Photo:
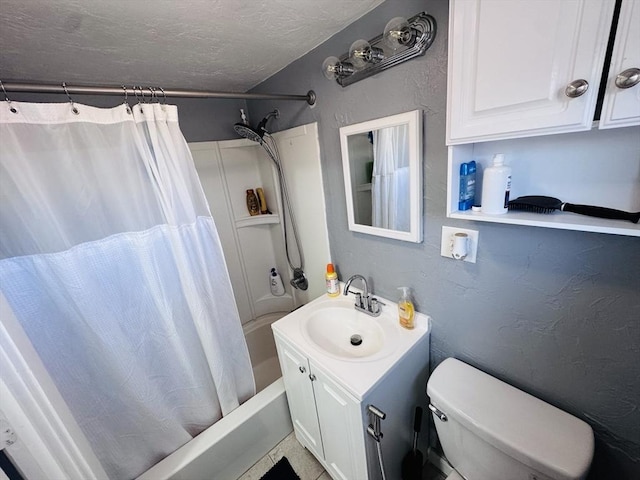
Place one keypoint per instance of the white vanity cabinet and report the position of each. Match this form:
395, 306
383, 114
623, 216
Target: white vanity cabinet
330, 387
318, 404
517, 67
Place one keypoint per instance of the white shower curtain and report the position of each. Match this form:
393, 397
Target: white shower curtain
390, 180
110, 260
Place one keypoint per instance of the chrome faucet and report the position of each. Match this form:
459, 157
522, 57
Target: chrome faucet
364, 301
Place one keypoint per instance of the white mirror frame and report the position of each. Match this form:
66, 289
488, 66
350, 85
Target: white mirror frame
414, 120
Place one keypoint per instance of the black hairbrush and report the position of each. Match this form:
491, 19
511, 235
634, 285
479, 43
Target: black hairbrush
541, 204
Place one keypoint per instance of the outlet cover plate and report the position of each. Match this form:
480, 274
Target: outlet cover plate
445, 243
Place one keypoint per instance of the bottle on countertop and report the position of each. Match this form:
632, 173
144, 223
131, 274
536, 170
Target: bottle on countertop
331, 279
496, 186
275, 282
406, 310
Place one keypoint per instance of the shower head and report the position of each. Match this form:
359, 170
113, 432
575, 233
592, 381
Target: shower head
246, 131
255, 134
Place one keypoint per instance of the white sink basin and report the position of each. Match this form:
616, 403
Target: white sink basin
321, 331
348, 334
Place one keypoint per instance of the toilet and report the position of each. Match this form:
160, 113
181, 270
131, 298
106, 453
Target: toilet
490, 430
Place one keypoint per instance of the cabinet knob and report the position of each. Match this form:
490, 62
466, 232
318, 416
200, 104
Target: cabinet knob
302, 369
576, 88
629, 78
312, 377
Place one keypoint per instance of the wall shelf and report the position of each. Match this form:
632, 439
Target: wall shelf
597, 167
561, 220
252, 221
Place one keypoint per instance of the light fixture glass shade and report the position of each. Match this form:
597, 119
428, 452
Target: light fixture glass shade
333, 68
330, 67
359, 53
397, 32
362, 54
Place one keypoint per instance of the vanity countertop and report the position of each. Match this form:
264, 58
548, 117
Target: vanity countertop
357, 374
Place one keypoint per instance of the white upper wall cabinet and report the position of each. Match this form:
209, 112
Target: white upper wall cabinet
511, 63
621, 106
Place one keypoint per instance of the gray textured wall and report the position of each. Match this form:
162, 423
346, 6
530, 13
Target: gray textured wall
553, 312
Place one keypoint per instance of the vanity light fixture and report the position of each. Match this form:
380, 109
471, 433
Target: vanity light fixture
402, 40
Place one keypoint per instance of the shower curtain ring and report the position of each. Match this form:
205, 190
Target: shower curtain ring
73, 106
12, 109
164, 97
126, 96
135, 92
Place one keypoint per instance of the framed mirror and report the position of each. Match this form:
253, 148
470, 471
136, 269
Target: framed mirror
382, 163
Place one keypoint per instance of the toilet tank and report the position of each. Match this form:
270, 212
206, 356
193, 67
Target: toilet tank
494, 431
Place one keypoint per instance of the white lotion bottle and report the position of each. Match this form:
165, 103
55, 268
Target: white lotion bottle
275, 282
496, 186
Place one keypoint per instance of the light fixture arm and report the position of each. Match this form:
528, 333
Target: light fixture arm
415, 42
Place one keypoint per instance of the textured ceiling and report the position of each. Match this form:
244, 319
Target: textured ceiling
229, 45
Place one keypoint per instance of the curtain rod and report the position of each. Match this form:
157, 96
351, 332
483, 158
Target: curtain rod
310, 97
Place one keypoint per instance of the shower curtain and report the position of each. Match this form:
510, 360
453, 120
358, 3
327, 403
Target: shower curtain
110, 261
390, 179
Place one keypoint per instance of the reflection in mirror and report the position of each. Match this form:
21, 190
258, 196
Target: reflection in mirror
383, 176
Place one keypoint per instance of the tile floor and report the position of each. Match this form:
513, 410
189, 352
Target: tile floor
305, 464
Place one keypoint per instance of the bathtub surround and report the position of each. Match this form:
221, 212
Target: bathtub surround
554, 313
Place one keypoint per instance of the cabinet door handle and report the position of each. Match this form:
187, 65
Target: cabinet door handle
576, 88
629, 78
302, 369
312, 377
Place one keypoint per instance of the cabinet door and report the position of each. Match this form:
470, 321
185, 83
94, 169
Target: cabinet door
295, 372
621, 106
510, 62
342, 430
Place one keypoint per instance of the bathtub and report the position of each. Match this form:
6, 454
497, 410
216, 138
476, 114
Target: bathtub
231, 446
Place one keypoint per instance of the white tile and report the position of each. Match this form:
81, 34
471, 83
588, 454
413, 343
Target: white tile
258, 470
302, 461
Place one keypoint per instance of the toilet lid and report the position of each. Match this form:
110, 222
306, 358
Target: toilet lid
522, 426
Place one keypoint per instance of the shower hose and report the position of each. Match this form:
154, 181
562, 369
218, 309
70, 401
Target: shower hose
380, 459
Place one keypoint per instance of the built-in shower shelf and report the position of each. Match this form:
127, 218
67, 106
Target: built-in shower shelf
265, 219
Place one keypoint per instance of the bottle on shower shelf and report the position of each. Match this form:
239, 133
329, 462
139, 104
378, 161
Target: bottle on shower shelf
262, 200
252, 203
275, 282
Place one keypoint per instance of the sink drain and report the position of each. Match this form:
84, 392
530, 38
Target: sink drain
356, 340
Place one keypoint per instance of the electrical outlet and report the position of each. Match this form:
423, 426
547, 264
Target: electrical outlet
446, 244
